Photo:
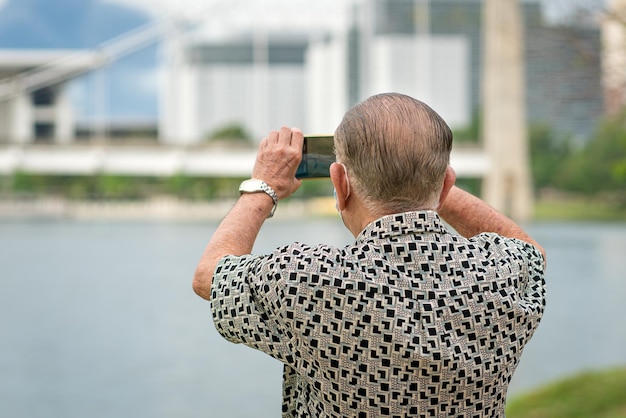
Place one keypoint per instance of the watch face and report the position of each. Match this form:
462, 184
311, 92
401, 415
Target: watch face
250, 186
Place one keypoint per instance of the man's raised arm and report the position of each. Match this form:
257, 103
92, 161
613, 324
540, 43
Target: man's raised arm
276, 164
471, 216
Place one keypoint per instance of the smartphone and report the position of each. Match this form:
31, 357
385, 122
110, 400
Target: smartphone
318, 153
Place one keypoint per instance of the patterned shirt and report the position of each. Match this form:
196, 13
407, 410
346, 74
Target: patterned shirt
410, 320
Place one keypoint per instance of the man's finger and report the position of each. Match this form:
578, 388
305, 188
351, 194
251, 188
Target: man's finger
284, 136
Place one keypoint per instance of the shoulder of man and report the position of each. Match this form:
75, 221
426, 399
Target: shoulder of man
502, 246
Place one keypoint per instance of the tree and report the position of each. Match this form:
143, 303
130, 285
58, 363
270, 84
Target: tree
548, 152
233, 132
599, 168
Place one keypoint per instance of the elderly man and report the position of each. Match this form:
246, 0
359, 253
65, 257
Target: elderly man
409, 320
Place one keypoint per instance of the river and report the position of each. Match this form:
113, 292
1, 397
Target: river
98, 319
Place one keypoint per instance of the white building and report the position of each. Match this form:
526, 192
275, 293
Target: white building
262, 81
257, 82
434, 69
34, 101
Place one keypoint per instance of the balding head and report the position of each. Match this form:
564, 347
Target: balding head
396, 150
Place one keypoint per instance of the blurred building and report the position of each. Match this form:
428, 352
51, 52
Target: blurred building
433, 50
563, 75
392, 46
428, 49
256, 81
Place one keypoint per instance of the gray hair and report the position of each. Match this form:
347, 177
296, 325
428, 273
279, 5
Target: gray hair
396, 150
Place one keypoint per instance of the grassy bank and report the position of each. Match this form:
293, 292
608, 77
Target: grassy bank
599, 394
578, 209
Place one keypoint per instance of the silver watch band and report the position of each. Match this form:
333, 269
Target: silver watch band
255, 185
267, 189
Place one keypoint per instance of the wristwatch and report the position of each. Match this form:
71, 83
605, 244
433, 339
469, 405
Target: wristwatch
256, 186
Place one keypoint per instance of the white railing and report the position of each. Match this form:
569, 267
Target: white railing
167, 161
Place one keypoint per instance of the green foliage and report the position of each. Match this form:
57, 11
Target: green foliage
471, 133
200, 188
599, 168
578, 208
109, 187
471, 185
593, 394
548, 151
120, 188
233, 133
315, 188
30, 184
100, 187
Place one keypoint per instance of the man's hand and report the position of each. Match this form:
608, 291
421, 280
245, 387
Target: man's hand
278, 158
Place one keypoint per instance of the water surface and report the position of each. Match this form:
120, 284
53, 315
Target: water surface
98, 319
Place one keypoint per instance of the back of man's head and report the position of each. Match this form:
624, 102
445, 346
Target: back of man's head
396, 150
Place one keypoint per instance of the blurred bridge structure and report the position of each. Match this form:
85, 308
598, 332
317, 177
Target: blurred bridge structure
163, 161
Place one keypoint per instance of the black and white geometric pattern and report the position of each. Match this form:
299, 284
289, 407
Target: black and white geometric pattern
409, 321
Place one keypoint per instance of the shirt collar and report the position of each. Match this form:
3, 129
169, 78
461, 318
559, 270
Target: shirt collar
397, 224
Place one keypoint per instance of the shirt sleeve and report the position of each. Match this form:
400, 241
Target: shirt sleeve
532, 284
524, 265
248, 305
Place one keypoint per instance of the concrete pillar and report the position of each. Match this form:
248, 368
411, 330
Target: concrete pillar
63, 116
326, 95
614, 56
178, 102
507, 187
21, 118
15, 118
5, 120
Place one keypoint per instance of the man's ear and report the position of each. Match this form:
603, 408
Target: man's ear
448, 182
340, 182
